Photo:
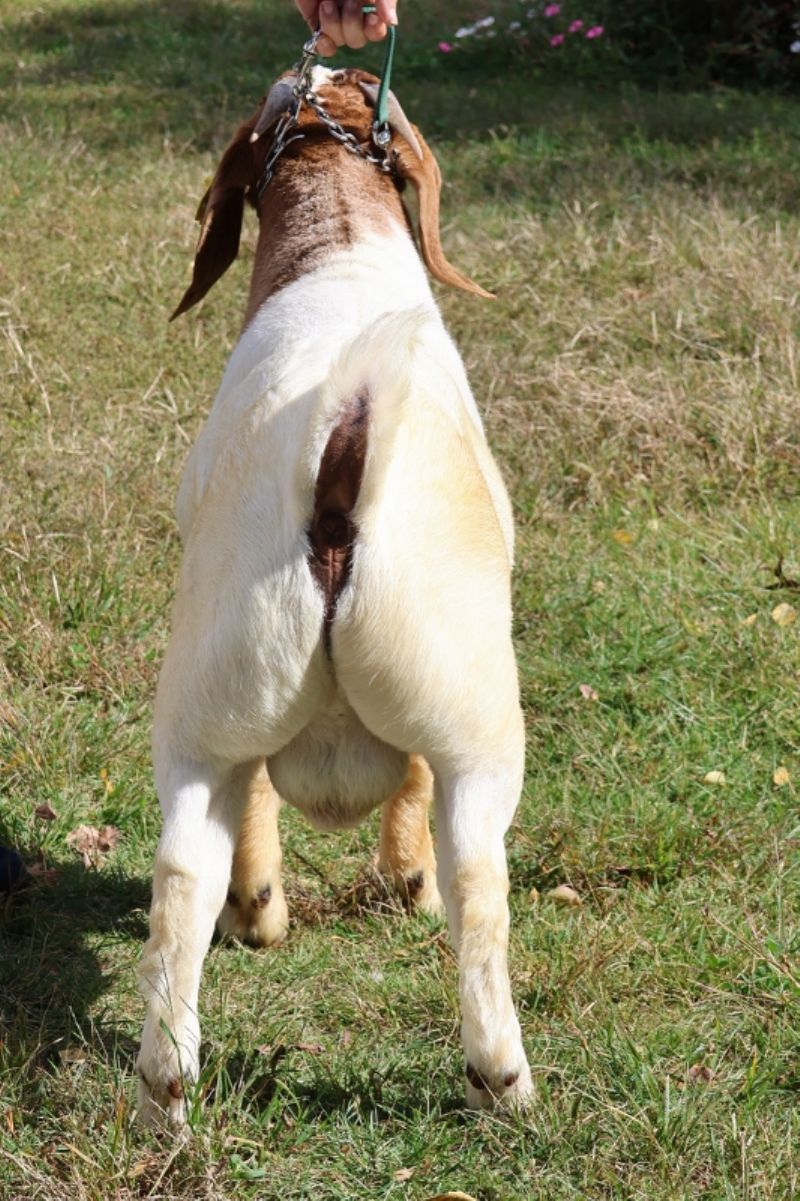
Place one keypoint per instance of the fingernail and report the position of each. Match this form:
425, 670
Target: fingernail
391, 16
372, 20
328, 8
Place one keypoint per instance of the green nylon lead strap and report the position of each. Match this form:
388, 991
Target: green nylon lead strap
382, 101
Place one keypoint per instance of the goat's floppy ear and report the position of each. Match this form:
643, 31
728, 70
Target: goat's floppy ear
220, 215
426, 177
415, 162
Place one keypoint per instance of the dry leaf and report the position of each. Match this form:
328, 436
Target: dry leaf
45, 874
623, 537
91, 843
451, 1197
714, 777
72, 1055
45, 812
533, 895
780, 777
588, 693
564, 895
751, 620
346, 1038
599, 586
783, 614
699, 1074
309, 1048
403, 1174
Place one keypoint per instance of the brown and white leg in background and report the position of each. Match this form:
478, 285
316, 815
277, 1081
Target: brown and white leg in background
406, 853
201, 805
473, 811
255, 909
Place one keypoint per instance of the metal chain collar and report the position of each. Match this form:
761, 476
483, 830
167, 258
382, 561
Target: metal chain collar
303, 94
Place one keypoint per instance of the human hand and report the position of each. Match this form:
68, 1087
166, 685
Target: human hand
343, 23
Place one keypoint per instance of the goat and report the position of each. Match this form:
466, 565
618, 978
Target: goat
341, 630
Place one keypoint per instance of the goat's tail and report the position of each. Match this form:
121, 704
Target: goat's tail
362, 404
377, 365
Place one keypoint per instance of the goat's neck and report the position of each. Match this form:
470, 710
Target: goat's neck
321, 202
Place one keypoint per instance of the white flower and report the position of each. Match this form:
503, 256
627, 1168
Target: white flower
794, 48
484, 23
466, 31
514, 26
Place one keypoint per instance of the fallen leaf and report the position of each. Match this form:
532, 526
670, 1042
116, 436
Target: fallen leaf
310, 1048
783, 614
533, 895
714, 777
403, 1174
346, 1038
599, 586
699, 1074
780, 777
564, 895
45, 812
451, 1197
72, 1055
45, 874
623, 537
751, 620
588, 693
91, 842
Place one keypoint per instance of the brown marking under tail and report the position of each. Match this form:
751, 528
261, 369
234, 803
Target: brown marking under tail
332, 531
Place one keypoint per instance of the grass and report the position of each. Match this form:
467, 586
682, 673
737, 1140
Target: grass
639, 384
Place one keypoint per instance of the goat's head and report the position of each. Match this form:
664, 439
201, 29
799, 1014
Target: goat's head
349, 97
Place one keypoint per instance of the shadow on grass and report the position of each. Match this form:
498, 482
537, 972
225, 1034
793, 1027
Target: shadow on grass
347, 1087
51, 975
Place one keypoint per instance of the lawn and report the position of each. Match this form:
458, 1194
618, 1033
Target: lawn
638, 378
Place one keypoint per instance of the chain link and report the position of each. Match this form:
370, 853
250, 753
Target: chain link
302, 94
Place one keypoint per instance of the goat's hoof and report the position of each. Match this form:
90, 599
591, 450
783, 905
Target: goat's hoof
423, 895
511, 1090
162, 1107
417, 890
259, 919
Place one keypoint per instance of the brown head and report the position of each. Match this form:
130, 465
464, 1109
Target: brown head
315, 163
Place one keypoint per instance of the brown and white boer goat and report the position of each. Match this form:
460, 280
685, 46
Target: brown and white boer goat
341, 631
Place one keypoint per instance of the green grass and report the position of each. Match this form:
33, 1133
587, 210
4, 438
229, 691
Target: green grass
639, 382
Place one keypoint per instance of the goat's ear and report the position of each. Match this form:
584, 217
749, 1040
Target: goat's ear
426, 177
220, 215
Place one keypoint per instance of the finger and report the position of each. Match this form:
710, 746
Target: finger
374, 28
386, 11
353, 24
308, 11
325, 47
330, 22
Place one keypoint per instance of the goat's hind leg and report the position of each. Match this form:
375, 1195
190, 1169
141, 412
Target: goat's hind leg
472, 814
406, 854
201, 805
255, 909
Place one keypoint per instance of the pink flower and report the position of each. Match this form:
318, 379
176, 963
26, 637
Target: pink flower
445, 47
556, 39
552, 10
575, 26
595, 32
